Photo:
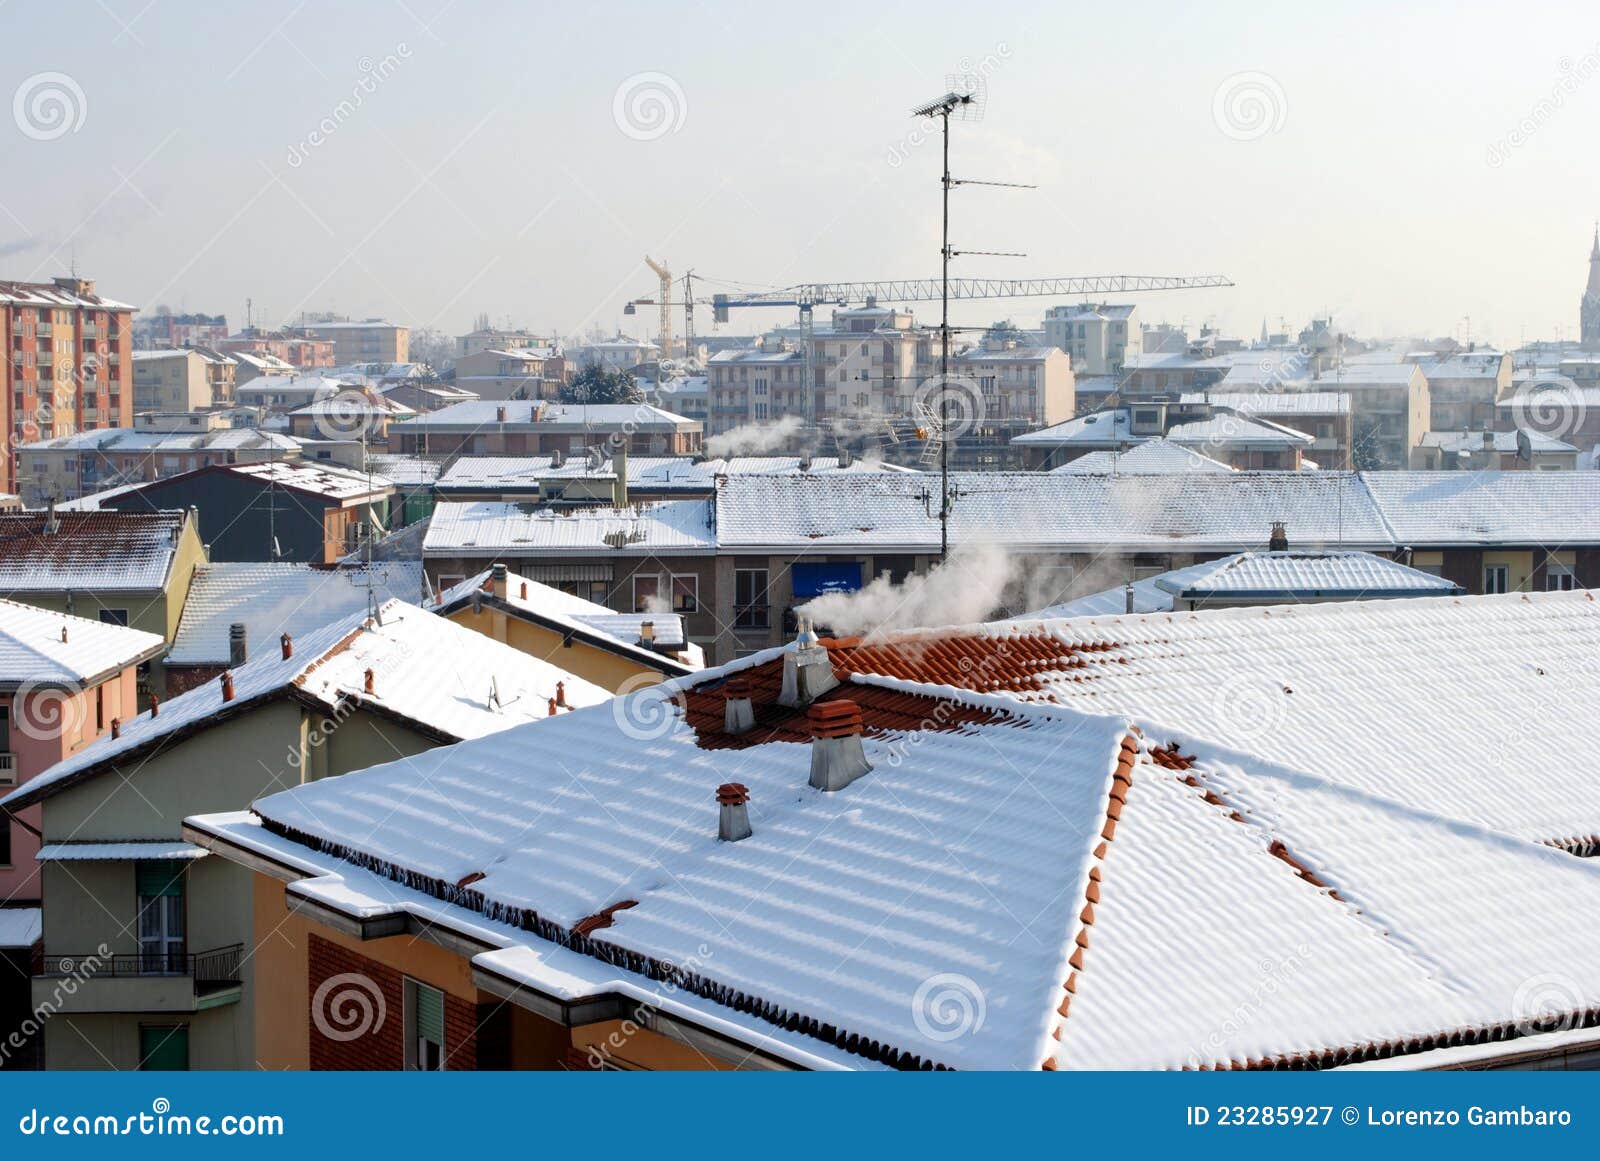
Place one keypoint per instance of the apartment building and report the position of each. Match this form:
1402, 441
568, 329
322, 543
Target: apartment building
1464, 387
524, 427
301, 351
370, 341
529, 372
621, 353
497, 339
72, 467
1099, 338
182, 379
1323, 415
157, 331
67, 365
739, 566
1390, 411
1494, 451
177, 988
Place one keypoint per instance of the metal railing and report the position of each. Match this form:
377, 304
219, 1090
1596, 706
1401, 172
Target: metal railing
220, 965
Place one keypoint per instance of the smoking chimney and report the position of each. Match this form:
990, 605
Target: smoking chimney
733, 819
619, 482
739, 712
238, 644
837, 758
52, 525
647, 634
497, 581
1278, 541
807, 672
845, 458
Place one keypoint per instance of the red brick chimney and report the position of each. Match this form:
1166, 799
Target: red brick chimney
227, 687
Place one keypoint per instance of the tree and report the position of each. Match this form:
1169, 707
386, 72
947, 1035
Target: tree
594, 384
433, 348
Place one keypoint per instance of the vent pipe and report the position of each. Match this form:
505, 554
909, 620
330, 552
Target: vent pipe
238, 644
561, 694
155, 706
558, 458
1127, 596
837, 758
733, 817
116, 727
807, 672
497, 581
369, 681
739, 712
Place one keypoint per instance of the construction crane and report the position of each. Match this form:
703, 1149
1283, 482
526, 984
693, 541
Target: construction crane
665, 303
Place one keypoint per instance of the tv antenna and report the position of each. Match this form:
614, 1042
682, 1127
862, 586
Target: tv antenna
964, 100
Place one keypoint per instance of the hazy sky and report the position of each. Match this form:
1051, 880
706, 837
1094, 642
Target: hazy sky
1403, 166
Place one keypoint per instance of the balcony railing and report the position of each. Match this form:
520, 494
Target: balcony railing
219, 966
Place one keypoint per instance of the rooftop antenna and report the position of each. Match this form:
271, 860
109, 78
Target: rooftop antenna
964, 99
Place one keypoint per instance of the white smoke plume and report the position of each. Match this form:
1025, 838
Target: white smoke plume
755, 439
969, 586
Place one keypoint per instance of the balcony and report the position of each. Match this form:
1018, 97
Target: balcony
141, 982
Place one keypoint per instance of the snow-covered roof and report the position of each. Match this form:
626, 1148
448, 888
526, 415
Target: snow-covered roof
404, 471
51, 294
1235, 430
1278, 403
43, 648
645, 473
1355, 376
1261, 577
110, 852
427, 672
88, 551
278, 597
619, 632
1466, 365
20, 926
1458, 508
1165, 841
311, 386
496, 527
1500, 441
476, 414
1152, 458
123, 441
317, 480
1102, 428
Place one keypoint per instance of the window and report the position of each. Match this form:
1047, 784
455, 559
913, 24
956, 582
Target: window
646, 589
1558, 578
685, 594
1496, 578
5, 840
424, 1028
161, 939
750, 606
114, 617
163, 1048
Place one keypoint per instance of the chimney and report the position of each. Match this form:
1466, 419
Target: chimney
369, 681
500, 414
805, 461
845, 458
739, 712
807, 672
63, 634
733, 819
552, 704
1127, 597
116, 727
619, 465
155, 706
1488, 441
837, 758
286, 643
238, 644
497, 581
1278, 540
51, 524
561, 694
558, 458
523, 590
227, 687
647, 634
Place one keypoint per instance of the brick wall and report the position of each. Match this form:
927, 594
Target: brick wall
355, 1031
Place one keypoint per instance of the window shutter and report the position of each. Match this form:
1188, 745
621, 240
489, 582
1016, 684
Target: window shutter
157, 879
430, 1014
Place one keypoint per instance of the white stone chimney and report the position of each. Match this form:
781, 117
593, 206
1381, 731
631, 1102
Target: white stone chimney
739, 713
733, 819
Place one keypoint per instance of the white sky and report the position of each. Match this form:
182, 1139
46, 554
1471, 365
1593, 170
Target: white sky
487, 172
